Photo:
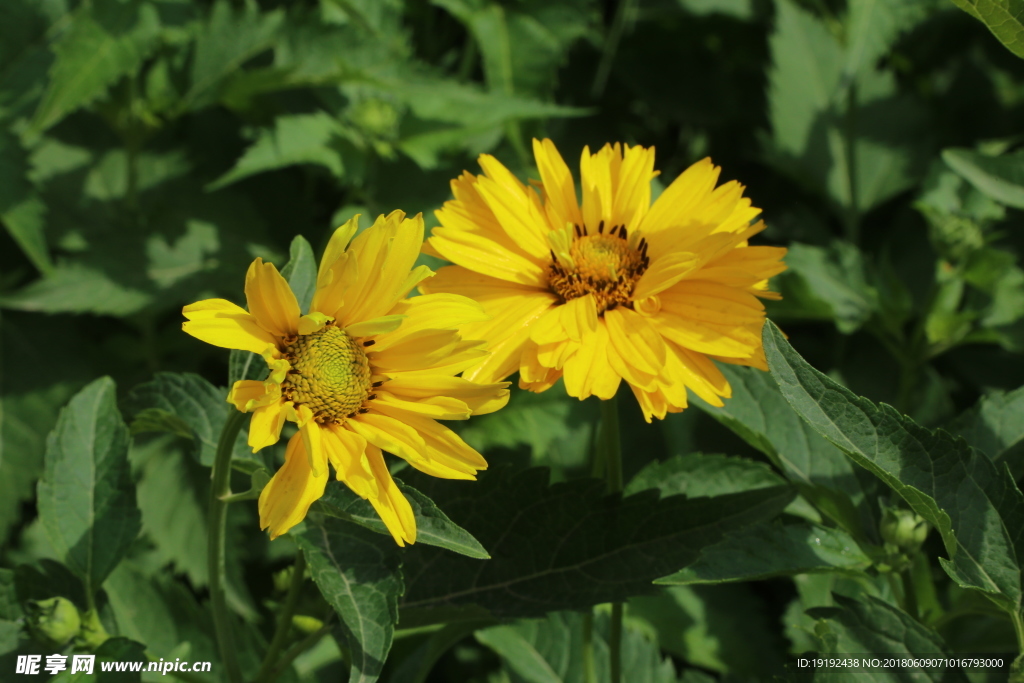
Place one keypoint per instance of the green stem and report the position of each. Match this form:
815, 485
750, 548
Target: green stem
850, 138
623, 14
613, 478
909, 594
297, 649
221, 488
589, 674
1017, 669
284, 619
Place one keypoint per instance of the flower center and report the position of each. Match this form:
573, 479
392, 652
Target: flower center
330, 373
604, 265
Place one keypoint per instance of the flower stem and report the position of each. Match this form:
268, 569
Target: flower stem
297, 649
221, 488
284, 620
613, 479
589, 674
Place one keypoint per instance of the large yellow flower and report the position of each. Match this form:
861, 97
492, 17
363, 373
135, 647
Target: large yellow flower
613, 289
365, 370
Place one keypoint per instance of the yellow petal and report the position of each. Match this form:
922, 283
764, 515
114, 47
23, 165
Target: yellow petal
285, 501
481, 398
384, 254
271, 300
559, 189
265, 426
369, 328
249, 394
313, 322
345, 450
436, 407
635, 340
665, 271
335, 274
449, 456
676, 204
223, 324
389, 434
515, 207
390, 503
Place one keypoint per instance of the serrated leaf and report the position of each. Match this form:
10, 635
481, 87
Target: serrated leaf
827, 283
77, 288
140, 610
762, 551
294, 139
974, 505
870, 626
227, 40
180, 403
550, 650
856, 159
566, 546
107, 40
86, 496
357, 572
245, 365
760, 415
873, 25
21, 210
1003, 19
522, 46
999, 177
699, 474
994, 425
555, 426
432, 526
300, 271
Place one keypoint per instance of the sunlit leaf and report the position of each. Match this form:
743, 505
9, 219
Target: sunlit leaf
86, 496
974, 505
357, 573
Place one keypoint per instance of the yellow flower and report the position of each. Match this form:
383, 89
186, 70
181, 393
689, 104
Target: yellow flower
615, 288
365, 370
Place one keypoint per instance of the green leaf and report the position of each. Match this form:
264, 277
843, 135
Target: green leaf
975, 505
181, 403
869, 625
432, 526
873, 25
140, 610
119, 650
522, 46
295, 139
829, 284
21, 210
300, 271
762, 551
847, 135
697, 474
555, 426
77, 288
107, 40
357, 572
245, 365
994, 426
566, 546
999, 177
86, 495
226, 41
172, 494
759, 414
549, 650
1003, 19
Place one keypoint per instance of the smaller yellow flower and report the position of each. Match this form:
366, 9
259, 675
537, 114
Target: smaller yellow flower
366, 370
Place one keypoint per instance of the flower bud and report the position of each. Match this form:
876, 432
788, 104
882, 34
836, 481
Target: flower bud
54, 621
903, 528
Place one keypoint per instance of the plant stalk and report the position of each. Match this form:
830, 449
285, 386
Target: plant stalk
284, 619
613, 479
221, 488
